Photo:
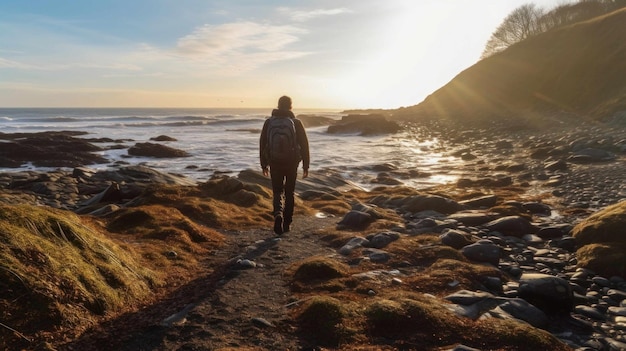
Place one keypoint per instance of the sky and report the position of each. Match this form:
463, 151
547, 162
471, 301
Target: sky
329, 54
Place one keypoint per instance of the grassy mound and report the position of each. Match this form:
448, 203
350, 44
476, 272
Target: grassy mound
439, 277
318, 273
602, 241
57, 270
606, 259
604, 226
320, 320
220, 203
409, 321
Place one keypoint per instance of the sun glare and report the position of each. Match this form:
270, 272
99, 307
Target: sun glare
397, 66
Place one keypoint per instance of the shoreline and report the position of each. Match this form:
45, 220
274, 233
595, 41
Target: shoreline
388, 227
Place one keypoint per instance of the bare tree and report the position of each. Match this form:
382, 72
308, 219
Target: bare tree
520, 24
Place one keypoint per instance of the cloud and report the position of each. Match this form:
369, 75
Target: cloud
303, 16
6, 63
240, 45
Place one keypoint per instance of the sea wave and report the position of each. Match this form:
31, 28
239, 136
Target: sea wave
6, 118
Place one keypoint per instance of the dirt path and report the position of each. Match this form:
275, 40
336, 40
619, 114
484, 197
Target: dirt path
233, 306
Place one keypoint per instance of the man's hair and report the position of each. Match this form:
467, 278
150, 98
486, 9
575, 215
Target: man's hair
284, 103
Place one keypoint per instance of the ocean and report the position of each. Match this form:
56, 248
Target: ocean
225, 141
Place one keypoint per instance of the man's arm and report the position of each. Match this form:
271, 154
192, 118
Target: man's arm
303, 141
262, 149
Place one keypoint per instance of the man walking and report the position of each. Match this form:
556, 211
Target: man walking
283, 145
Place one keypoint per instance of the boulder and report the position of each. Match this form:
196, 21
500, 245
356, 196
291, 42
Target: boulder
355, 220
156, 150
163, 138
554, 231
589, 155
606, 259
523, 310
483, 251
606, 225
381, 240
473, 218
48, 149
548, 293
352, 245
455, 238
437, 203
512, 225
371, 124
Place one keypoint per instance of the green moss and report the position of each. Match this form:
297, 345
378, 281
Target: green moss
606, 225
319, 268
321, 321
606, 259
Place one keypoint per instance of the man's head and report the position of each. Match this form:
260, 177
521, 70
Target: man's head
284, 103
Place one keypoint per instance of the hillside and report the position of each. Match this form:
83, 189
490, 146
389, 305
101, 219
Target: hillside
579, 70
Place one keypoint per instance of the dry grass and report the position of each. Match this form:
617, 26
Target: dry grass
60, 271
408, 320
438, 278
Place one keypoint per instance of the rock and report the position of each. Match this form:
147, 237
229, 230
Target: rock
473, 218
163, 138
590, 312
351, 245
430, 225
602, 245
437, 203
455, 238
559, 165
103, 211
383, 239
537, 208
616, 295
483, 251
355, 220
467, 298
617, 311
83, 172
589, 155
511, 225
554, 231
522, 310
364, 125
315, 121
480, 202
262, 322
369, 209
604, 226
376, 255
549, 293
48, 149
246, 264
156, 150
138, 175
112, 193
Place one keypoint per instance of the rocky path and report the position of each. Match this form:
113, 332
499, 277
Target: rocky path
245, 303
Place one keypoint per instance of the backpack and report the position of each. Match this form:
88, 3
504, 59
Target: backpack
282, 144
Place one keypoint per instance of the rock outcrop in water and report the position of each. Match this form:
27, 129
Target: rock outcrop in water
48, 149
364, 125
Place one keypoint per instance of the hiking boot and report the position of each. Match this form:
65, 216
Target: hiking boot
286, 226
278, 224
